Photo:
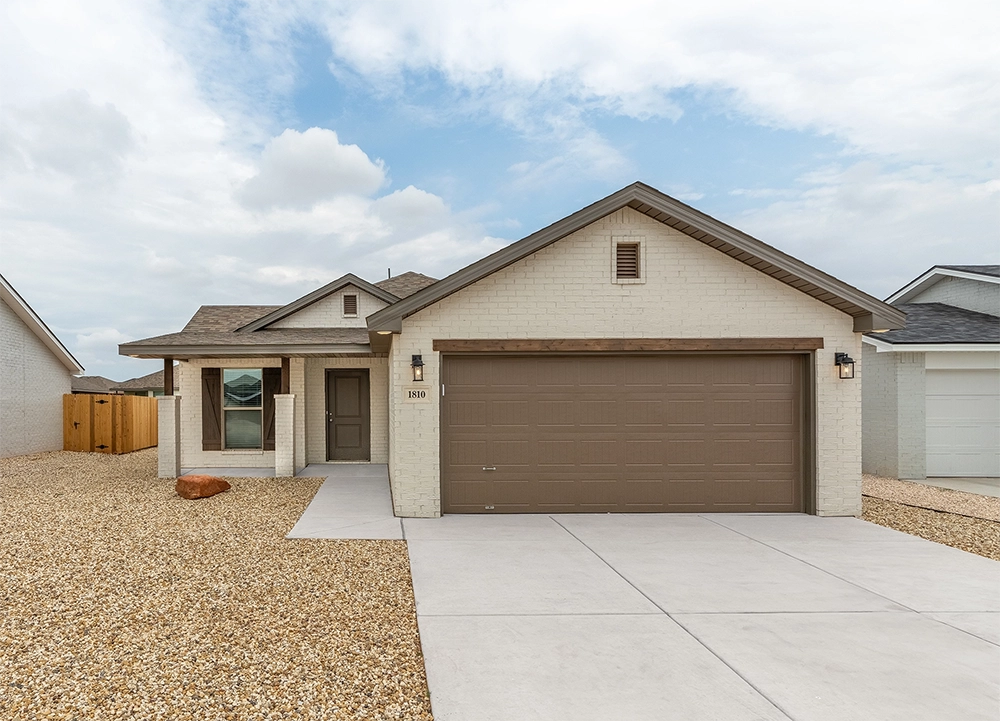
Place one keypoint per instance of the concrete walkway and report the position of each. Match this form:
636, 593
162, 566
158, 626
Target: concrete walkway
687, 617
982, 486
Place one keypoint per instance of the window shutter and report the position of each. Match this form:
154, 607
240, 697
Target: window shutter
627, 260
272, 385
211, 409
350, 305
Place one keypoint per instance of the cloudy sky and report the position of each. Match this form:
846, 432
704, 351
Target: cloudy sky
159, 156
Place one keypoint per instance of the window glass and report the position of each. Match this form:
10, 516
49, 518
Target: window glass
242, 388
243, 429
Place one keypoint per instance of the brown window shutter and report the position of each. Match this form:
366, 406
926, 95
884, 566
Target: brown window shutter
350, 305
272, 385
211, 409
627, 260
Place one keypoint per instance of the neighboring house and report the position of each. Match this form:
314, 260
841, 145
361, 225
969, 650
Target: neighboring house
92, 384
35, 371
637, 355
932, 390
147, 385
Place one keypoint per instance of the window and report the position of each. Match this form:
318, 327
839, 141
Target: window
242, 407
350, 305
627, 260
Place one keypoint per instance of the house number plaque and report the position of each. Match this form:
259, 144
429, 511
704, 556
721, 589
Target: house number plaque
416, 395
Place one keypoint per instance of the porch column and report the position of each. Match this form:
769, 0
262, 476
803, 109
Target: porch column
284, 434
168, 450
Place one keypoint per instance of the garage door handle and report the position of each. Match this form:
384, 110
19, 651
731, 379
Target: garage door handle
489, 468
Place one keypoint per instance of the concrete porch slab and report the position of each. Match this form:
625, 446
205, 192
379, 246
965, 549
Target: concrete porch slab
982, 486
231, 472
354, 502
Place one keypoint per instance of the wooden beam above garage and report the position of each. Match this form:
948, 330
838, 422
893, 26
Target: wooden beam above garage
623, 345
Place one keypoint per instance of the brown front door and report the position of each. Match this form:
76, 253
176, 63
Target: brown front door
348, 409
682, 433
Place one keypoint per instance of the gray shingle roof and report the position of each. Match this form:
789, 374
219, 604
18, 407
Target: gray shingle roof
993, 270
91, 384
940, 323
406, 283
151, 382
226, 317
268, 336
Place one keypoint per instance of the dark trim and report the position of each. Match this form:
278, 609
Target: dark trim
270, 384
243, 351
679, 216
168, 376
318, 294
624, 345
286, 375
810, 439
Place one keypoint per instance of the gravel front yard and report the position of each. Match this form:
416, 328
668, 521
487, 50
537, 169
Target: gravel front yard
119, 600
963, 520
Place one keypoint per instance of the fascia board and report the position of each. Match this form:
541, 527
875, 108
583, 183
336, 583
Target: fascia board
201, 351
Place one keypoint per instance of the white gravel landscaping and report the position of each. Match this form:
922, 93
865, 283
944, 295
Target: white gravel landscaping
122, 601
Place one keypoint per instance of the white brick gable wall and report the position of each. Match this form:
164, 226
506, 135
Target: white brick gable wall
977, 295
565, 290
329, 312
32, 384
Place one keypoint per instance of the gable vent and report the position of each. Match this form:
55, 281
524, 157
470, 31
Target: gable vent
627, 260
350, 305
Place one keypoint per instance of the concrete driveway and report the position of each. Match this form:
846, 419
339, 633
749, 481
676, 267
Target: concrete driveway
634, 617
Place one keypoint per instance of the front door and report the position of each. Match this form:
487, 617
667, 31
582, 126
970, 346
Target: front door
348, 428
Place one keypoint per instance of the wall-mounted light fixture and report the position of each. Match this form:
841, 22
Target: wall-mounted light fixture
845, 364
418, 368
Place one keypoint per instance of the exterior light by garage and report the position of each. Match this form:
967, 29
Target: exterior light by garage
845, 364
384, 332
418, 368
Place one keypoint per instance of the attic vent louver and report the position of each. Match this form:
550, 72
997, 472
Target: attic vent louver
627, 260
350, 305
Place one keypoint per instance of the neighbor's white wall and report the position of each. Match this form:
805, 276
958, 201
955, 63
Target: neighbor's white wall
977, 295
879, 414
315, 395
188, 374
32, 384
566, 291
329, 312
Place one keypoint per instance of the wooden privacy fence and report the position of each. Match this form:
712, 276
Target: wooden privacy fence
108, 423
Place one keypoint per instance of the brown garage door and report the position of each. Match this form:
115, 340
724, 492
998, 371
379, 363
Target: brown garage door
682, 433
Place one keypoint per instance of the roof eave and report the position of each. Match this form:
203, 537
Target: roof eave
242, 351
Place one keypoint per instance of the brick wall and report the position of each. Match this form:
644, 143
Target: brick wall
975, 295
329, 312
911, 400
32, 384
879, 414
566, 290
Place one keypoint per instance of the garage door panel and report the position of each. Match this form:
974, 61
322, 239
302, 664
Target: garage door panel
963, 422
626, 434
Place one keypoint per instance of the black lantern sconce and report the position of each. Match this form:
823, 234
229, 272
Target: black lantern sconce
845, 364
418, 368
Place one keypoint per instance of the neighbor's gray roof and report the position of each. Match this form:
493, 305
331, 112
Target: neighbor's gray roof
91, 384
868, 312
993, 270
151, 382
940, 323
406, 283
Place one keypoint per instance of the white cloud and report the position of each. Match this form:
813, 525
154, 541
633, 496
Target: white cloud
298, 170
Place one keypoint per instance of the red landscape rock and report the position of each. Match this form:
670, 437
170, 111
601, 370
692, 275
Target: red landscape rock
199, 486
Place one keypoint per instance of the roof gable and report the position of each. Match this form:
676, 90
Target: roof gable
980, 273
406, 284
320, 293
868, 312
37, 326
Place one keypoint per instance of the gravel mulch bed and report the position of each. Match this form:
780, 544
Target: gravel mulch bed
119, 600
974, 535
938, 499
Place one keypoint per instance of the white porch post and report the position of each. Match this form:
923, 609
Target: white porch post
168, 451
284, 434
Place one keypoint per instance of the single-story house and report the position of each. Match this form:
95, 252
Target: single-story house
147, 385
932, 390
93, 385
637, 355
36, 371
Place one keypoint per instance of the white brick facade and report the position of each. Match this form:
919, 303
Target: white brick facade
977, 295
894, 414
329, 312
32, 384
566, 290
